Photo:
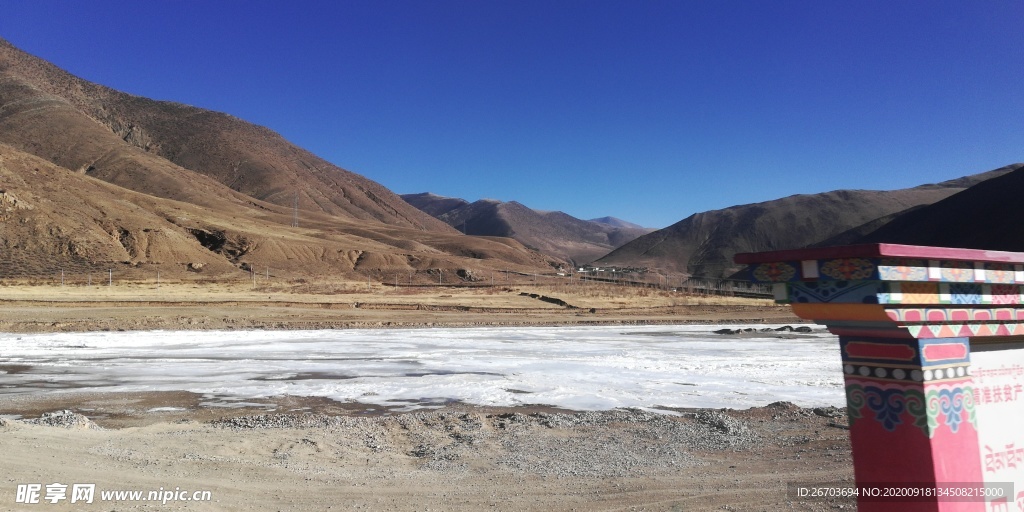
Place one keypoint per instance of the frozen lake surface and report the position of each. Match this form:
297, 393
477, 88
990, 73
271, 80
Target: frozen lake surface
583, 368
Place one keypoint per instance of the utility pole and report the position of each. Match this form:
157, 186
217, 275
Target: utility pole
295, 210
110, 277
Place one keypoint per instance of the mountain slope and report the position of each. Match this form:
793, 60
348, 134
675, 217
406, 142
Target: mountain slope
139, 183
130, 140
551, 232
53, 219
985, 216
704, 243
433, 204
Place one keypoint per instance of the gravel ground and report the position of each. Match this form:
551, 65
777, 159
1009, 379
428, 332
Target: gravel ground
589, 444
455, 458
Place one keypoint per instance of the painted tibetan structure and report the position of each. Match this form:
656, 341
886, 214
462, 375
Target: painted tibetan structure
908, 319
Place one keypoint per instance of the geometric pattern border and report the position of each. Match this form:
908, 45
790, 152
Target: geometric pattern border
954, 314
901, 293
955, 330
907, 374
888, 269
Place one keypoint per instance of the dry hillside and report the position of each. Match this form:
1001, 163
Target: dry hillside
129, 140
52, 219
705, 243
94, 178
985, 216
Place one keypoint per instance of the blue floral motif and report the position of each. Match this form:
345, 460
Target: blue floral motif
950, 404
930, 410
888, 405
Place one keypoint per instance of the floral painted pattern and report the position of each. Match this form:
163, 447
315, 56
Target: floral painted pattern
895, 405
949, 406
848, 269
886, 405
957, 271
999, 273
898, 269
774, 272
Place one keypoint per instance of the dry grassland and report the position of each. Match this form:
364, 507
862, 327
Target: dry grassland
344, 304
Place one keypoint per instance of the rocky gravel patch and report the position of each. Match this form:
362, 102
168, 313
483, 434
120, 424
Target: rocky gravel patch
590, 444
65, 419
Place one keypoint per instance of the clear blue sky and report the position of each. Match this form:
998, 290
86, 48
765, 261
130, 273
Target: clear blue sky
645, 110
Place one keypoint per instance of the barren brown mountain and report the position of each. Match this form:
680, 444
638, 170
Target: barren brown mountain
551, 232
96, 177
87, 127
985, 216
704, 243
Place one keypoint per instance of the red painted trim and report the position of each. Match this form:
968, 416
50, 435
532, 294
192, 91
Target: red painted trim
944, 351
880, 251
895, 332
866, 350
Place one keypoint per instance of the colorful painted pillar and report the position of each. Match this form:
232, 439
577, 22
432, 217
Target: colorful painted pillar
932, 343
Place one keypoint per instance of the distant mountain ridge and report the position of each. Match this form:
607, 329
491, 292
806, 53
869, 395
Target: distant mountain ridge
550, 232
704, 243
617, 223
433, 204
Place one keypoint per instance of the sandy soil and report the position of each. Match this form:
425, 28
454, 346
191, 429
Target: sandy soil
314, 455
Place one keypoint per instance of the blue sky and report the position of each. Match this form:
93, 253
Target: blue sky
645, 110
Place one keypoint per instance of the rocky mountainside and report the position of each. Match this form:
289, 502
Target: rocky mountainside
985, 216
551, 232
149, 172
704, 243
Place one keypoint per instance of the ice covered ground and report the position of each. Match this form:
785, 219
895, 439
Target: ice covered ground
584, 368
